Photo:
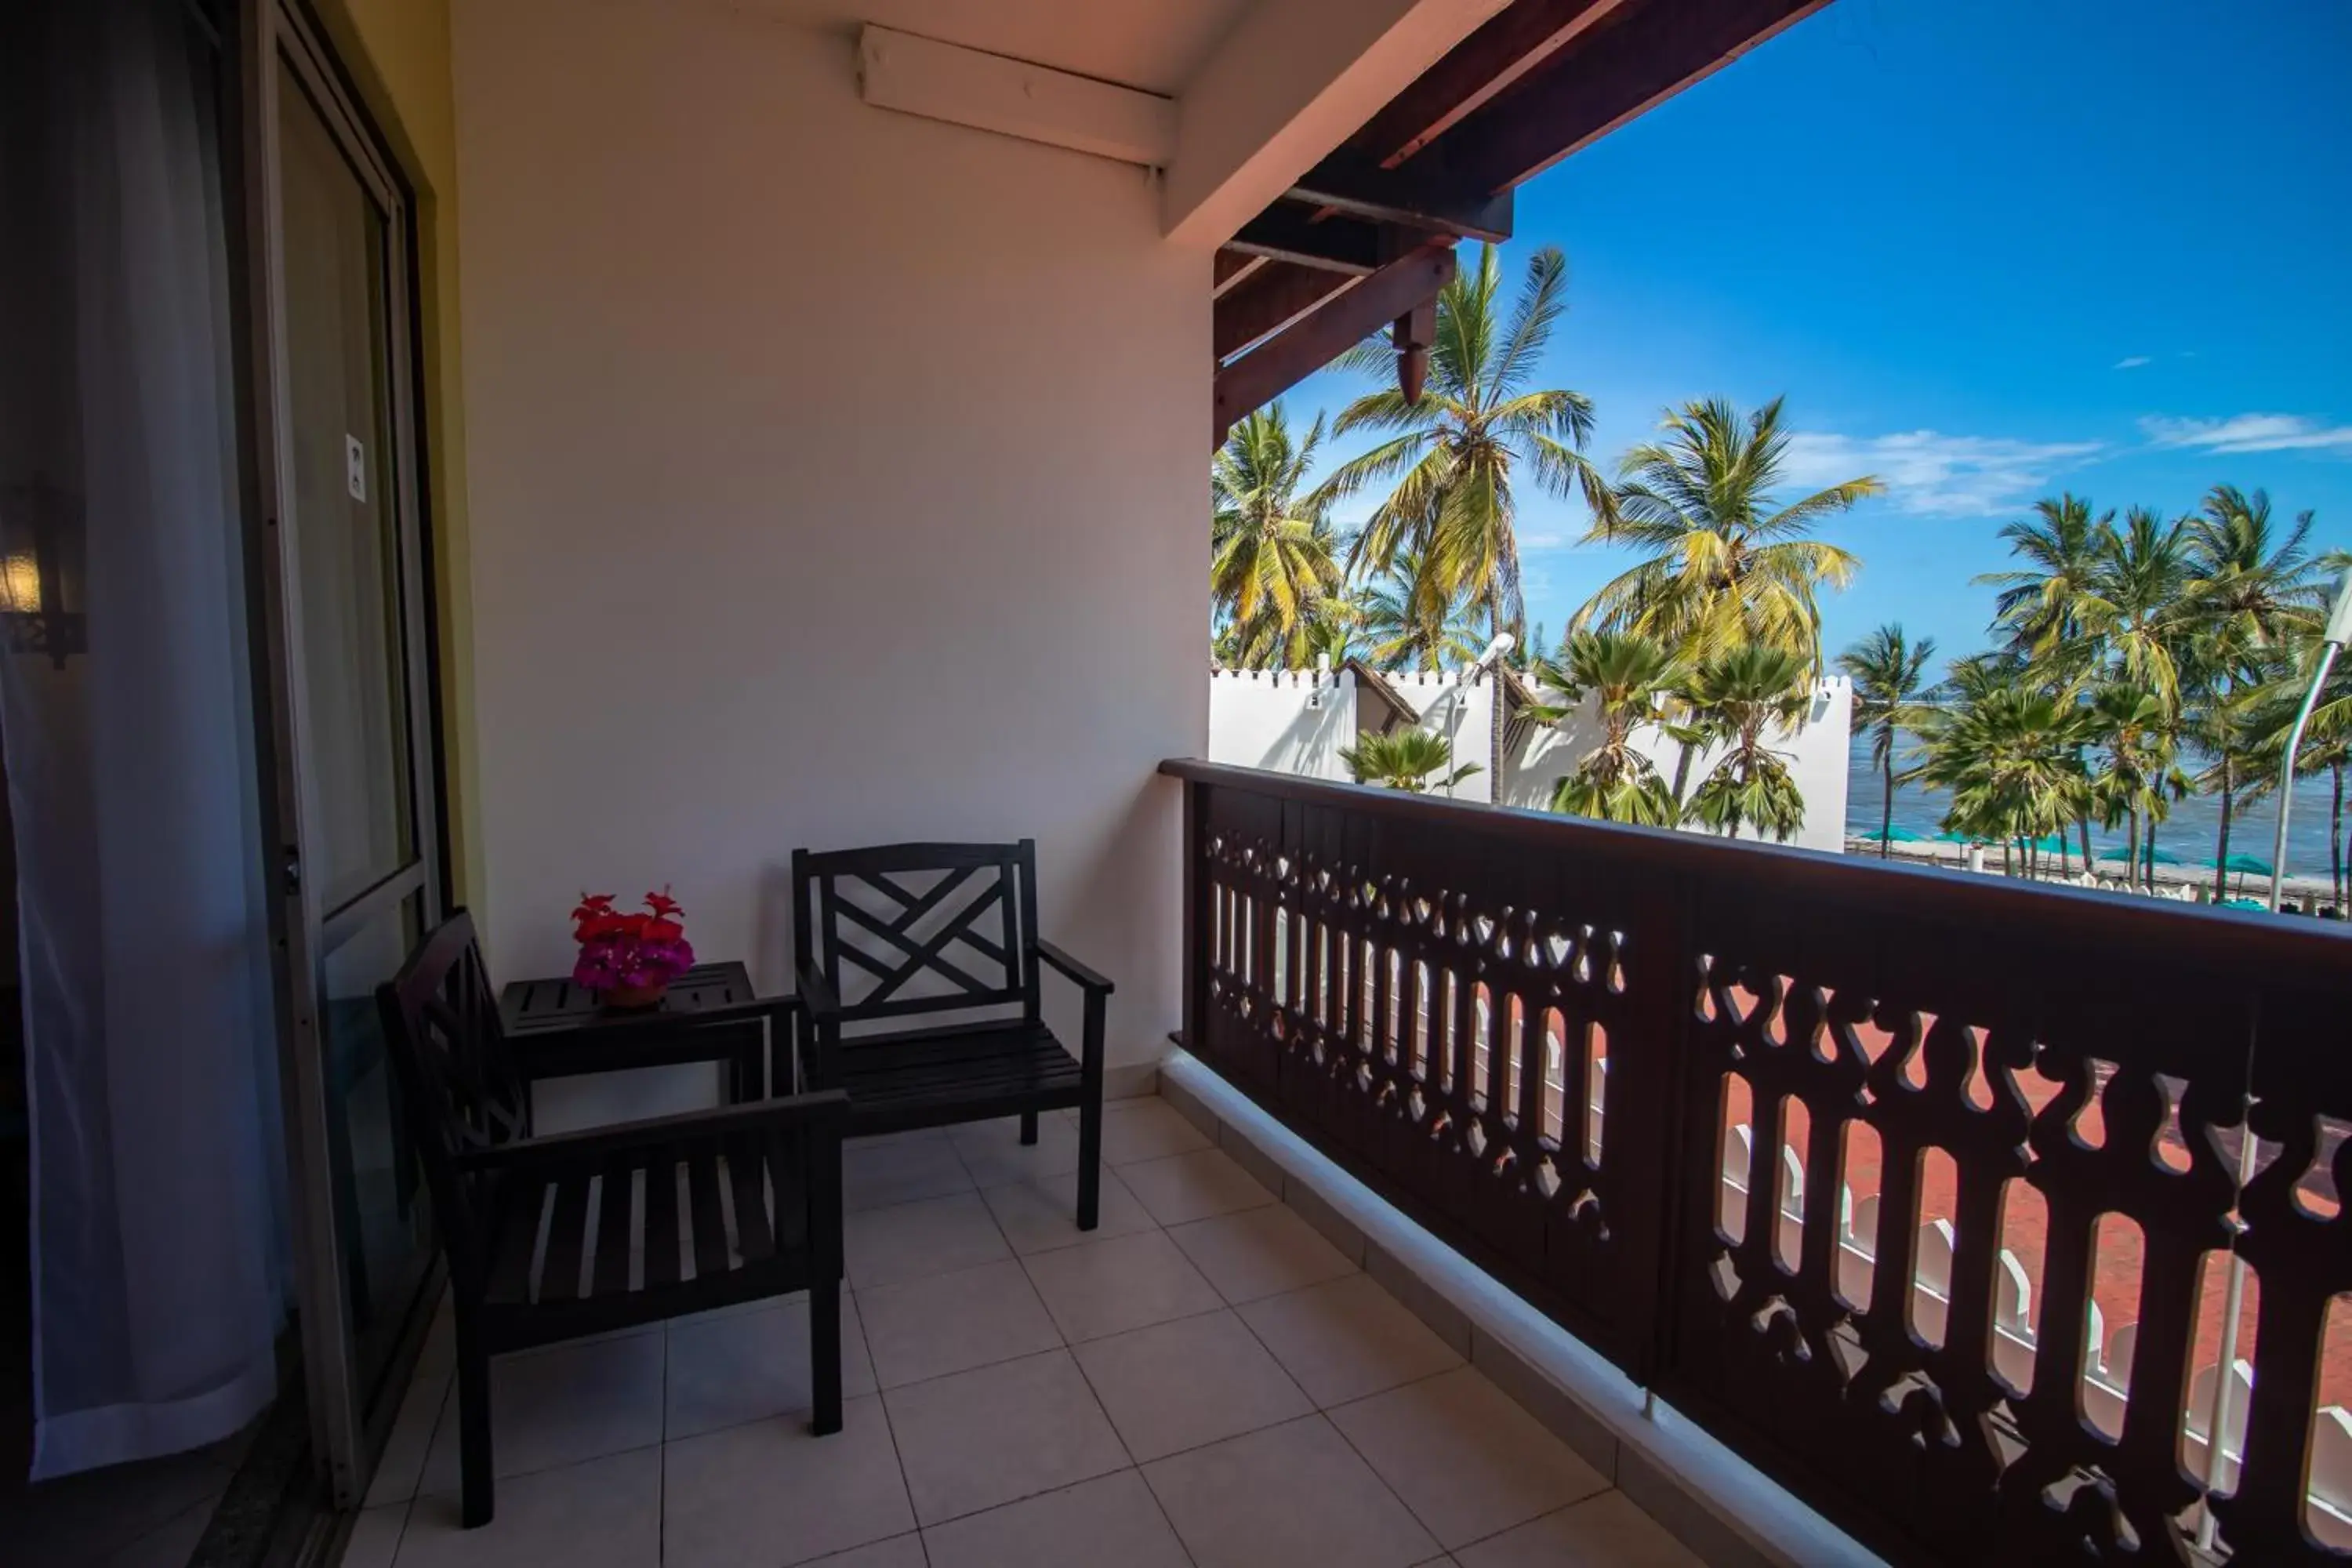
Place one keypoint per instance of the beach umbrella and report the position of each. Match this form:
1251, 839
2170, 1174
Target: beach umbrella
1897, 834
2243, 865
1948, 838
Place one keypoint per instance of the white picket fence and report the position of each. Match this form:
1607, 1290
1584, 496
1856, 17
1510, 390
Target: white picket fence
2105, 1382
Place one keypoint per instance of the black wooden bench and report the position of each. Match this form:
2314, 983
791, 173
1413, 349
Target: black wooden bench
896, 932
580, 1204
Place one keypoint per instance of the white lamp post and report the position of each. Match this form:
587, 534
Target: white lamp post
1503, 642
2332, 641
2233, 1299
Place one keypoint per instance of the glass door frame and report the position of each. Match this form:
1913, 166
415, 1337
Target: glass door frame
347, 1420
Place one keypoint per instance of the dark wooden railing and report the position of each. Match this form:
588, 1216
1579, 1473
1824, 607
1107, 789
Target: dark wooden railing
1644, 1079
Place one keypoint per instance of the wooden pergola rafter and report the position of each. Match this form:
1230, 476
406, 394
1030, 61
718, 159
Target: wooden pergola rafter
1365, 238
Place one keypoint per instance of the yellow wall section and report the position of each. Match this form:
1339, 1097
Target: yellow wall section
397, 52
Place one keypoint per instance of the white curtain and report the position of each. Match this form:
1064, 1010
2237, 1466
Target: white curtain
158, 1228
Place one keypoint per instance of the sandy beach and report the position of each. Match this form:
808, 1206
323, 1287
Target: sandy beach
2199, 878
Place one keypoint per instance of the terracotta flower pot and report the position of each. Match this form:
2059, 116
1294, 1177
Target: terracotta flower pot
633, 997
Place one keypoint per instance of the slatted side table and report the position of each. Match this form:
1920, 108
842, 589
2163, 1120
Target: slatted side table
557, 1028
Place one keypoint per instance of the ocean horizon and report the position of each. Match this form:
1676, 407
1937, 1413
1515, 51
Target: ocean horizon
2190, 832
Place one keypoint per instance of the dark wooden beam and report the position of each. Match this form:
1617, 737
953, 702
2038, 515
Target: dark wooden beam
1230, 268
1288, 232
1276, 295
1511, 42
1314, 341
1643, 58
1423, 195
1413, 334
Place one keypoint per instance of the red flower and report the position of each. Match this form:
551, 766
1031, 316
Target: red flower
618, 949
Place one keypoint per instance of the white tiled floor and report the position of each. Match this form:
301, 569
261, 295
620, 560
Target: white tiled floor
1226, 1392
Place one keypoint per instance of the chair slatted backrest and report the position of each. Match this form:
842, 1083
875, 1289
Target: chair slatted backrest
902, 929
459, 1088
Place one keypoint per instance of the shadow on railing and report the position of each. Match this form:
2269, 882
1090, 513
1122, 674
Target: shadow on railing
2008, 1133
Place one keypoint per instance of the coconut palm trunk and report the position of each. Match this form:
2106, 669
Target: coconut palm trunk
2222, 849
1886, 810
2131, 848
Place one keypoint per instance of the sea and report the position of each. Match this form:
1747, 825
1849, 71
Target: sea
2191, 831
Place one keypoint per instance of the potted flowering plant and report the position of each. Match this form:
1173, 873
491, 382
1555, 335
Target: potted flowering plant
629, 960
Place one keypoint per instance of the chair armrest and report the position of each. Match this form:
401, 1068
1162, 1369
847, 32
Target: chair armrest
816, 998
826, 1109
1053, 957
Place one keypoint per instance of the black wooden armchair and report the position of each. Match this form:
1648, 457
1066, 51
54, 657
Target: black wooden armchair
896, 932
584, 1205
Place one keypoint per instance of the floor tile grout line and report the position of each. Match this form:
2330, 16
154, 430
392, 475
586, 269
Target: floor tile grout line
455, 1489
1374, 1471
1136, 1471
890, 1430
1288, 1375
1549, 1513
661, 1465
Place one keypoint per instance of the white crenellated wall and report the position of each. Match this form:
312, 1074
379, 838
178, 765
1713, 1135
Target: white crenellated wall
1272, 720
1463, 710
1816, 752
1286, 721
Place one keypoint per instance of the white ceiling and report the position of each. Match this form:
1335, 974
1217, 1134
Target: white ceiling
1155, 45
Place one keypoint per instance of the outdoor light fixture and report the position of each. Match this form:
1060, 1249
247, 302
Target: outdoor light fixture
2217, 1428
2331, 642
41, 580
1504, 643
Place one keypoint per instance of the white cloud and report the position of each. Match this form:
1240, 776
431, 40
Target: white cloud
1544, 539
2132, 361
1932, 474
2250, 433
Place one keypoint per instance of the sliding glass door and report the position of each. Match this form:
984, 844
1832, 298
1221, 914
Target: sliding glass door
348, 672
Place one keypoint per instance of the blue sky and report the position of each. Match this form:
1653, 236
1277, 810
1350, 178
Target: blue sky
1988, 252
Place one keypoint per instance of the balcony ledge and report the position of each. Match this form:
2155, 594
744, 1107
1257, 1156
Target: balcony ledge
1721, 1507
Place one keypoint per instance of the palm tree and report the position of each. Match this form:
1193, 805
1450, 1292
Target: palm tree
2248, 587
1455, 457
1625, 673
2137, 778
2011, 756
1405, 628
1405, 760
1337, 628
2136, 603
1742, 692
1270, 544
2224, 720
2328, 741
1885, 668
1723, 562
2042, 604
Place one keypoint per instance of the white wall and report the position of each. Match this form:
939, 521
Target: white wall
836, 477
1463, 710
1291, 722
1261, 720
1816, 752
